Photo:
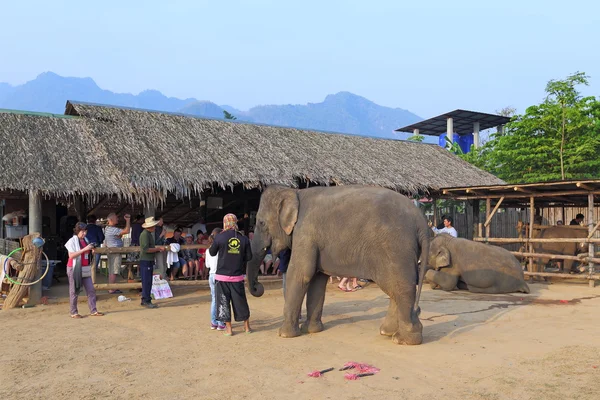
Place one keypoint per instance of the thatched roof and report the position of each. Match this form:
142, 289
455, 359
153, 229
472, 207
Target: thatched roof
138, 153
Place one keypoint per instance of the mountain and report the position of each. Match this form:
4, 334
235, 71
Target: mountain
342, 112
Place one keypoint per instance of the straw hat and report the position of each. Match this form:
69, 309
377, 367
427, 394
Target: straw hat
149, 222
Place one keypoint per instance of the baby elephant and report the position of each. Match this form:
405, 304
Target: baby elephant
478, 267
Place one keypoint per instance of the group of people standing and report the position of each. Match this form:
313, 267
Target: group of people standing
229, 251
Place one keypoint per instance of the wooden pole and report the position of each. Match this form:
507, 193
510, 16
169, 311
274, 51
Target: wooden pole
30, 260
557, 275
476, 219
553, 256
592, 229
538, 240
531, 222
35, 226
489, 219
488, 206
435, 212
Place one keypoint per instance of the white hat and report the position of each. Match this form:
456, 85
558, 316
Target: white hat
149, 222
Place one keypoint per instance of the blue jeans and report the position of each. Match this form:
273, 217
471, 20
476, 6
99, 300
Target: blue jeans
213, 302
146, 270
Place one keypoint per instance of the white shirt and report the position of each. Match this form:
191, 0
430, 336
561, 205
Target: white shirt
211, 262
450, 231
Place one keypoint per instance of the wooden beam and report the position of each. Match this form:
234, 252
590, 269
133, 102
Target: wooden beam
526, 195
488, 206
99, 205
593, 230
558, 275
537, 240
584, 186
489, 219
172, 208
520, 189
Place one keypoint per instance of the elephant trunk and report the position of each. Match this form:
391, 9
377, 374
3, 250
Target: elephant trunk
259, 251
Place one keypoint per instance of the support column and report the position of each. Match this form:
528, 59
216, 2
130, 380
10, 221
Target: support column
416, 132
531, 222
35, 225
488, 211
476, 134
591, 246
476, 218
450, 129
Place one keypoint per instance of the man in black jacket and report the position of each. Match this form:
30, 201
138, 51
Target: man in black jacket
233, 250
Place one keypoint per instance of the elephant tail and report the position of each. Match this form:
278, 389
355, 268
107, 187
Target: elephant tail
424, 245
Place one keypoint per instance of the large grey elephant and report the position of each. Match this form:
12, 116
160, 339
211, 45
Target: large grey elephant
478, 267
569, 249
355, 231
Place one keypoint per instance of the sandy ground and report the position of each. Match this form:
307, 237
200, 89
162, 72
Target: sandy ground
476, 347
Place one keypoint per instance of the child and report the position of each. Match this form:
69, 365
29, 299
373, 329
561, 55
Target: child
203, 271
190, 260
211, 266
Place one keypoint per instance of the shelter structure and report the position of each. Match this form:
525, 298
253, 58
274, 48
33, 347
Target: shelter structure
535, 196
97, 159
456, 125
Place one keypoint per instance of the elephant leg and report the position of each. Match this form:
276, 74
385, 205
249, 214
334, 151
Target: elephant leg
461, 285
568, 266
390, 322
301, 270
315, 298
445, 280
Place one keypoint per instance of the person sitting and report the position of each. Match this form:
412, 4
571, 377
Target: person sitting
267, 263
559, 222
190, 260
578, 220
448, 228
177, 264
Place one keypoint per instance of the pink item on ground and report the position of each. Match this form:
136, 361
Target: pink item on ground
316, 374
360, 368
355, 377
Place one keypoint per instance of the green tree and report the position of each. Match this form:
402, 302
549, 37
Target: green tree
416, 138
228, 115
556, 140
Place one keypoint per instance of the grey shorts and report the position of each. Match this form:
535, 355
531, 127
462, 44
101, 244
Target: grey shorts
114, 263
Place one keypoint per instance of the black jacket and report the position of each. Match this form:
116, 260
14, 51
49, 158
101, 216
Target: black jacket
234, 252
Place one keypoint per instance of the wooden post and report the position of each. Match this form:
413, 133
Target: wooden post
476, 219
591, 247
435, 212
531, 222
35, 226
30, 260
488, 210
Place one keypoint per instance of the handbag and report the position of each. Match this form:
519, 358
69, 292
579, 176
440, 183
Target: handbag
160, 288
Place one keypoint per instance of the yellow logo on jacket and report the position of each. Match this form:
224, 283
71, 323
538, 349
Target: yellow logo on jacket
234, 245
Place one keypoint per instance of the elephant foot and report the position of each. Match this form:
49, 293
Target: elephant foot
387, 329
407, 338
312, 327
287, 331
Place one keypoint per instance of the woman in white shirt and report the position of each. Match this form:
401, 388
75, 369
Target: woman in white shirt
448, 228
210, 263
79, 271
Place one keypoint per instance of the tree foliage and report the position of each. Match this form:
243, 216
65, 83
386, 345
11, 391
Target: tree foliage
228, 115
416, 138
558, 139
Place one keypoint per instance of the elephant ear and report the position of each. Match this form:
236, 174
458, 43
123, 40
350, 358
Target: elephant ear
443, 258
288, 211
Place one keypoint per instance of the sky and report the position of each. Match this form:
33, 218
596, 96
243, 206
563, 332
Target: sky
425, 56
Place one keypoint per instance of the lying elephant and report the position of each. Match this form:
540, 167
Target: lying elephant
568, 249
319, 225
478, 267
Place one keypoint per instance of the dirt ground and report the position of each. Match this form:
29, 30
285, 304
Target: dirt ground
476, 347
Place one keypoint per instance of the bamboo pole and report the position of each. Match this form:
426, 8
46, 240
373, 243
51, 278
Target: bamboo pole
136, 249
591, 248
488, 206
553, 256
531, 223
594, 230
558, 275
489, 219
537, 240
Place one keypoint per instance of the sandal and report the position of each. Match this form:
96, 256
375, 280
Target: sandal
228, 334
357, 287
97, 314
76, 316
343, 289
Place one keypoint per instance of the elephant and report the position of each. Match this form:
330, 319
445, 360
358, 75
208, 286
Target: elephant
478, 267
319, 225
569, 249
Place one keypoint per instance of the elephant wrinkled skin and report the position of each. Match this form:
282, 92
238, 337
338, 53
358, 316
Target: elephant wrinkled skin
478, 267
354, 231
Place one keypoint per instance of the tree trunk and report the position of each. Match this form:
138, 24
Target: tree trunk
562, 146
30, 259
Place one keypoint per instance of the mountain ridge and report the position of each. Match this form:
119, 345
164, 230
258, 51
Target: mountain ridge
342, 112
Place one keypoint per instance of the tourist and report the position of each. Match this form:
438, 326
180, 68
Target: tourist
114, 238
202, 268
94, 236
578, 220
79, 271
199, 226
559, 222
211, 266
234, 252
190, 259
147, 251
160, 258
177, 264
441, 226
448, 228
267, 263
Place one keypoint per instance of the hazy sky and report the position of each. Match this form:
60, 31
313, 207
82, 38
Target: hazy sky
427, 56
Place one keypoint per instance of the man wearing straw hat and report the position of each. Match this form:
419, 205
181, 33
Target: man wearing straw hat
147, 250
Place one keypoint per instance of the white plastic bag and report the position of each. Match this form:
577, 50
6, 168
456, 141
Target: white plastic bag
160, 288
